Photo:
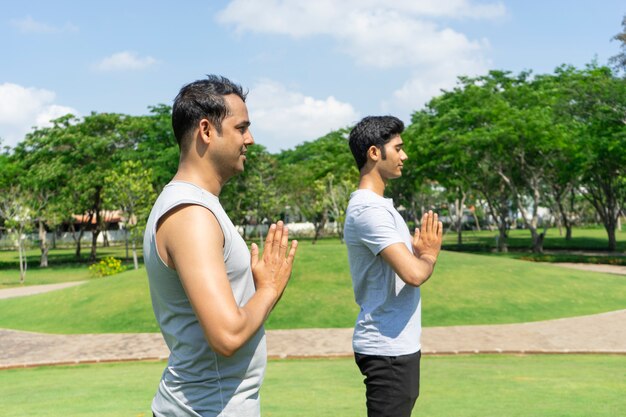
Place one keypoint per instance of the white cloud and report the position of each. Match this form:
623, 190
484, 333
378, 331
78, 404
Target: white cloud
282, 119
382, 34
30, 25
123, 61
331, 17
23, 108
424, 85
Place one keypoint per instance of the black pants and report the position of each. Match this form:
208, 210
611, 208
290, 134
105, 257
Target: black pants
392, 383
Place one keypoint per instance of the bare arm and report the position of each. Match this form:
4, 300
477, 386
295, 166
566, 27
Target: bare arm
415, 268
190, 240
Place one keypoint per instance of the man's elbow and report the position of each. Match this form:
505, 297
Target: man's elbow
415, 278
226, 345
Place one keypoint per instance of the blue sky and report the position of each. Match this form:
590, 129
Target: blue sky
310, 66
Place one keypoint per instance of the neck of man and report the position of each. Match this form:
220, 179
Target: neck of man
205, 178
371, 180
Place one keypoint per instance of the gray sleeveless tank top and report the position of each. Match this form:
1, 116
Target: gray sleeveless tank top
197, 381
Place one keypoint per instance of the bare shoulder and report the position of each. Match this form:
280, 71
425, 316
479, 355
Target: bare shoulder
186, 231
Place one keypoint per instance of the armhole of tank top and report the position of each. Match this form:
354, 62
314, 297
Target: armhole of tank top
189, 203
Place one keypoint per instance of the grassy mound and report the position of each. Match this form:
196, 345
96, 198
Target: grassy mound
465, 289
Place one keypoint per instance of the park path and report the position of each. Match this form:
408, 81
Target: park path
599, 333
35, 289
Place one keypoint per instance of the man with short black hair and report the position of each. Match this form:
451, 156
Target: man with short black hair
210, 294
388, 266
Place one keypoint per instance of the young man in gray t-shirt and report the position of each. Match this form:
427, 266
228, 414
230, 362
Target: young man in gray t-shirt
388, 266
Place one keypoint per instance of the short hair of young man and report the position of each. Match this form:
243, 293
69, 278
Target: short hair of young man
202, 99
373, 131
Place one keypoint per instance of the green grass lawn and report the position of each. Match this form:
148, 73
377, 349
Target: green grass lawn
63, 266
9, 278
466, 289
458, 386
591, 238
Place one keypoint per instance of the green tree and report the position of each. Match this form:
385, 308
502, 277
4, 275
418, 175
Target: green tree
17, 215
459, 144
595, 101
499, 135
40, 174
306, 178
73, 156
619, 61
151, 141
129, 189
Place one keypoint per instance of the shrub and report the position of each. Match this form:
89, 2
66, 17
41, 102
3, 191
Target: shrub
107, 266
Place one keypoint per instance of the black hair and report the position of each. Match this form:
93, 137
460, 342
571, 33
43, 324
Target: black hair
373, 131
203, 99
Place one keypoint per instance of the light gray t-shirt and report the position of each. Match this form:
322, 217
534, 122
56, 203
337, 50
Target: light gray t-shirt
389, 322
198, 381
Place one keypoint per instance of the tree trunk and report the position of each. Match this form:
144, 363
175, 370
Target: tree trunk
537, 239
319, 226
99, 223
609, 225
458, 207
476, 220
502, 244
94, 244
22, 255
568, 232
135, 261
43, 245
78, 241
126, 241
105, 238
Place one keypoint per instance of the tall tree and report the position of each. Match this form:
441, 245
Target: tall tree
17, 215
305, 177
128, 188
75, 155
596, 103
151, 141
459, 144
44, 179
618, 62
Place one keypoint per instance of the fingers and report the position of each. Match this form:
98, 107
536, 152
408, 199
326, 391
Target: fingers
269, 239
277, 238
416, 235
276, 241
292, 252
431, 224
254, 255
284, 242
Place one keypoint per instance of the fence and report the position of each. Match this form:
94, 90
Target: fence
118, 237
114, 237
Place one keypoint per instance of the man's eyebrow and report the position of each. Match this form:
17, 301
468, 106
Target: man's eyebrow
245, 123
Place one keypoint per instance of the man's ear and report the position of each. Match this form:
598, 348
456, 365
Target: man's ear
373, 153
206, 131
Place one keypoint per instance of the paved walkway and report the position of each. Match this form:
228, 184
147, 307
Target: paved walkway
35, 289
600, 333
609, 269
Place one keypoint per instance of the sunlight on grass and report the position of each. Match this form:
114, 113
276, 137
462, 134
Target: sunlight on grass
459, 386
465, 289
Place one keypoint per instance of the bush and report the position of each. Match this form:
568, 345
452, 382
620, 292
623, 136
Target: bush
107, 266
